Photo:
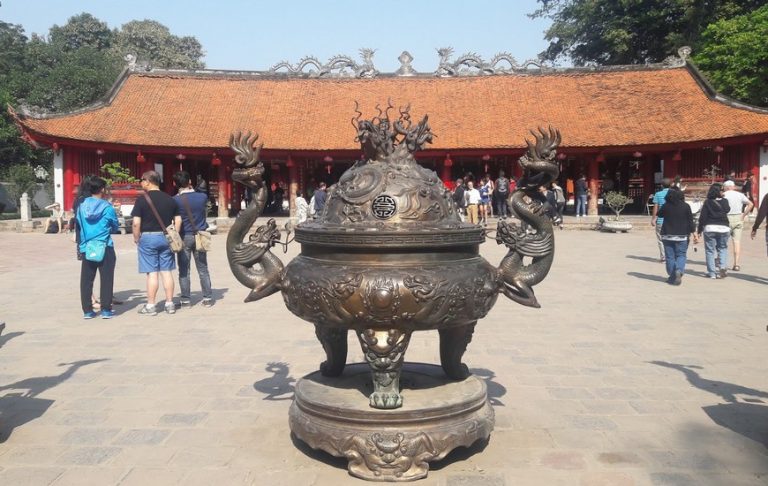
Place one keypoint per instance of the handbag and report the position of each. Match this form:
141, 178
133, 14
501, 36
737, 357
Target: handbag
94, 250
173, 237
202, 237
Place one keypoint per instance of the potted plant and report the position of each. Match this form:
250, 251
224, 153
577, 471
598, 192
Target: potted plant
122, 186
617, 202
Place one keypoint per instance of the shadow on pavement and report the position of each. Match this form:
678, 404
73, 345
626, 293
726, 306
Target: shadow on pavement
748, 278
130, 300
495, 390
20, 407
644, 258
8, 336
655, 278
279, 386
747, 417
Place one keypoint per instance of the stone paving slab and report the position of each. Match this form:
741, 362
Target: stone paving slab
619, 379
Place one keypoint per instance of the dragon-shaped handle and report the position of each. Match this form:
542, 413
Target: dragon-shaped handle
516, 279
252, 262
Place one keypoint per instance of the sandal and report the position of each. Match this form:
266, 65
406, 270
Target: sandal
736, 268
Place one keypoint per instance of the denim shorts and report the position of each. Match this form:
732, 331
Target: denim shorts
154, 254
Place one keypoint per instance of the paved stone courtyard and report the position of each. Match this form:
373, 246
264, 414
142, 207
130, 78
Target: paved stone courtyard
620, 379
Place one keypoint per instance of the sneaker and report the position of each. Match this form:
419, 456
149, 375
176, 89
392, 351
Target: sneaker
89, 315
712, 275
148, 310
170, 308
107, 314
207, 302
185, 303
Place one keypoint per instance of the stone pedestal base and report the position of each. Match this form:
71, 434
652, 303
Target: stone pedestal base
438, 415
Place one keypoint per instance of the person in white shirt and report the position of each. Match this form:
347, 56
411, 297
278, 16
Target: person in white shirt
741, 206
302, 208
473, 201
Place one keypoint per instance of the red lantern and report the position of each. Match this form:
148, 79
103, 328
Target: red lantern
600, 157
290, 163
637, 154
215, 161
181, 156
486, 157
448, 162
140, 158
561, 156
55, 147
327, 158
677, 157
99, 152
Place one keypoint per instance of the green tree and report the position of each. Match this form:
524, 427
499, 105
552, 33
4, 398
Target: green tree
82, 30
152, 42
734, 56
630, 31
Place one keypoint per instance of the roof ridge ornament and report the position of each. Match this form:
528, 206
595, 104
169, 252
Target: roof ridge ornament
472, 64
683, 55
337, 66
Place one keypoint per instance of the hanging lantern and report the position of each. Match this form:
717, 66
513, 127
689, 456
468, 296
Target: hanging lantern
181, 156
600, 157
327, 158
637, 154
215, 161
140, 158
561, 156
289, 162
677, 157
99, 152
55, 148
486, 157
448, 162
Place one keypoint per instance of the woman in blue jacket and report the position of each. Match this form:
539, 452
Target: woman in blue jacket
96, 220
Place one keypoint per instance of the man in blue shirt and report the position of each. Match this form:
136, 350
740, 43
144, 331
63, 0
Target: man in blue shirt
658, 201
195, 205
320, 197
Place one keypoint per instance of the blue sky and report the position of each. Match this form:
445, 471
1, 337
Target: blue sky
254, 35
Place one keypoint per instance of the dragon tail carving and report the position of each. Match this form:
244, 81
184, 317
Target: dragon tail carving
252, 263
536, 241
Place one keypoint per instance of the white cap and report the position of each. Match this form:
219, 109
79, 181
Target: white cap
729, 184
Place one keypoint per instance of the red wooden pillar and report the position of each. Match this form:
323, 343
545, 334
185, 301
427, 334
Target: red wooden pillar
753, 167
71, 175
446, 175
647, 172
593, 176
293, 184
168, 170
223, 189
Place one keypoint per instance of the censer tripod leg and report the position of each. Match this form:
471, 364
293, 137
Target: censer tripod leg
453, 343
384, 351
334, 341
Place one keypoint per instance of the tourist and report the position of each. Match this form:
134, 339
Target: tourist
740, 206
96, 219
559, 203
485, 189
501, 193
201, 186
676, 231
55, 222
192, 208
549, 201
319, 197
459, 198
713, 223
761, 214
473, 198
581, 190
156, 259
748, 188
659, 199
302, 208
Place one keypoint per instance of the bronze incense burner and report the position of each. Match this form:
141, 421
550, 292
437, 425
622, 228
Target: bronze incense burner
389, 255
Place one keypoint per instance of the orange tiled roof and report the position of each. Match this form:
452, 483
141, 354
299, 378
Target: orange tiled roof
592, 109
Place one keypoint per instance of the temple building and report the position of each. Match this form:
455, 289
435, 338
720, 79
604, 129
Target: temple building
623, 127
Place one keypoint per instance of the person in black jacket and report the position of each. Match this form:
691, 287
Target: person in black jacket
676, 232
761, 214
713, 223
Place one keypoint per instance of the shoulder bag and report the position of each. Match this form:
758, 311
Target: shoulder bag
202, 237
173, 237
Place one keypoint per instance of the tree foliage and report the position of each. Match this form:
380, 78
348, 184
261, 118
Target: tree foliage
630, 31
74, 66
734, 56
153, 43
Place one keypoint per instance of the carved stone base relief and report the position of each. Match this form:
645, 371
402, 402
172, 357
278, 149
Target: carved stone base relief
437, 416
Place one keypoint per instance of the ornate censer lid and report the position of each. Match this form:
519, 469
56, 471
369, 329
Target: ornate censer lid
389, 193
